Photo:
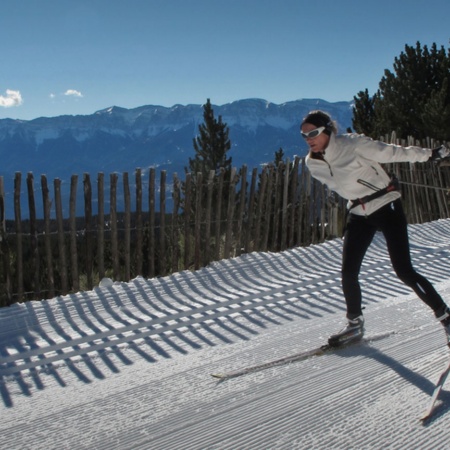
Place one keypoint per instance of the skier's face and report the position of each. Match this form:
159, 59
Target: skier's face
318, 143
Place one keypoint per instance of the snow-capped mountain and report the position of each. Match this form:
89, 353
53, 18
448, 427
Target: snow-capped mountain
118, 139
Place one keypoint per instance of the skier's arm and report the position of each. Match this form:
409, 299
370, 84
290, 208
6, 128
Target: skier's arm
385, 153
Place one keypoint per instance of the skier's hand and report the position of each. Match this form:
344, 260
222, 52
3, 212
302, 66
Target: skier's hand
439, 153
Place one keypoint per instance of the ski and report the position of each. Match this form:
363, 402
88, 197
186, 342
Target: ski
277, 362
436, 392
296, 357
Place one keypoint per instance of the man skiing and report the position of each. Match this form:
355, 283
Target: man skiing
350, 165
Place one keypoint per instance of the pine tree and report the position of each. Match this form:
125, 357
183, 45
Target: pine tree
364, 113
211, 145
279, 156
413, 100
436, 113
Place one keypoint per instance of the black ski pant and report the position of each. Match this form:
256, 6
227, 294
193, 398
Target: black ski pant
360, 230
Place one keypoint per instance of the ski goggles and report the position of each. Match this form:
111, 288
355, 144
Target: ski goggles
313, 133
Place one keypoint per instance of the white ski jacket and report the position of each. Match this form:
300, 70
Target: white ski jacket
352, 161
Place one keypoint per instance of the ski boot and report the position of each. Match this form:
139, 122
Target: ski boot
354, 331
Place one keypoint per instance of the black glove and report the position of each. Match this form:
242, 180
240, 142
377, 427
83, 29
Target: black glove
439, 153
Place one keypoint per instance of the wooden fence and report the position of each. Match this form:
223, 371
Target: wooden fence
176, 225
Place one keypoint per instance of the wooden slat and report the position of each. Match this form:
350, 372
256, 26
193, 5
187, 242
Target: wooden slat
18, 229
230, 213
35, 268
89, 241
62, 253
208, 214
175, 234
187, 221
139, 224
46, 202
198, 220
218, 218
162, 225
6, 295
73, 234
114, 228
101, 226
127, 227
151, 223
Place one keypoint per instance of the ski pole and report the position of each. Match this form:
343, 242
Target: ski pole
425, 186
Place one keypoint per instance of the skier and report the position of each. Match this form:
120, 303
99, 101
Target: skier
349, 164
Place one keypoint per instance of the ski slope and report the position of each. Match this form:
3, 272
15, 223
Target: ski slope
127, 365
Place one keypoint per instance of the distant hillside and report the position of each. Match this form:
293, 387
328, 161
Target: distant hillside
119, 140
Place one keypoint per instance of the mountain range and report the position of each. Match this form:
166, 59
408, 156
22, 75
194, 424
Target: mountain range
119, 140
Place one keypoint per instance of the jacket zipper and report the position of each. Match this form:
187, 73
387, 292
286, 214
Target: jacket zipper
329, 167
321, 157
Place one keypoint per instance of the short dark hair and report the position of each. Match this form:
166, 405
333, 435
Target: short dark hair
320, 119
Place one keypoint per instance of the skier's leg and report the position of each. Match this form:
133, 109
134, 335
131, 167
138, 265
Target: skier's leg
358, 236
393, 224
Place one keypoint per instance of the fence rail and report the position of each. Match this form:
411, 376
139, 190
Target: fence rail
181, 225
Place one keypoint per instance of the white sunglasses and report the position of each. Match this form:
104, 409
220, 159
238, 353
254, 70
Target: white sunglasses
313, 133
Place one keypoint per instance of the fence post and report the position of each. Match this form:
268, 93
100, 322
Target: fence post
73, 234
88, 229
101, 226
139, 232
113, 223
273, 203
61, 238
230, 212
293, 203
249, 232
4, 245
219, 213
198, 220
208, 212
268, 208
240, 218
259, 209
46, 202
301, 187
162, 224
187, 221
127, 223
19, 244
33, 236
175, 227
151, 223
284, 213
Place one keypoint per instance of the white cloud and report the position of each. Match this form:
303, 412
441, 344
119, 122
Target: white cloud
13, 98
73, 93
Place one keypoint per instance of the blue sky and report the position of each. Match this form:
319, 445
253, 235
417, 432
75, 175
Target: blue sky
79, 56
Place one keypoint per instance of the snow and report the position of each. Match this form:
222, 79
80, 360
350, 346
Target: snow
44, 134
128, 365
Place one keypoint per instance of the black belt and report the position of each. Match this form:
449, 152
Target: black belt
393, 185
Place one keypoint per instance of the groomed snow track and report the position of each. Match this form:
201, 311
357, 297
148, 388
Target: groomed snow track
128, 366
